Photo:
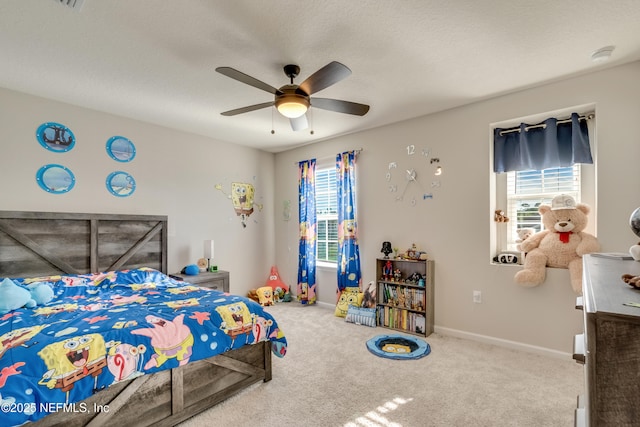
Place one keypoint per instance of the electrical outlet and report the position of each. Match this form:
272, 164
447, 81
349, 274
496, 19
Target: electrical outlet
477, 297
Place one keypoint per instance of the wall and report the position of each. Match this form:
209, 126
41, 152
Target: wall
454, 226
175, 175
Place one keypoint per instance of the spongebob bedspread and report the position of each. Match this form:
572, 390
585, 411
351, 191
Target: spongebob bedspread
105, 328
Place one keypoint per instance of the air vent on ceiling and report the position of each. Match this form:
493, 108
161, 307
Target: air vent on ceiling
73, 4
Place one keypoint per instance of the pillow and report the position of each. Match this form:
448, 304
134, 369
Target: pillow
13, 297
361, 316
349, 296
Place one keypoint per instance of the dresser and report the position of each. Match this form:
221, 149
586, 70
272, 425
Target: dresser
610, 345
218, 280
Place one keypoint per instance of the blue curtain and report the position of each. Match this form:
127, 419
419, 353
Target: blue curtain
349, 274
541, 147
307, 219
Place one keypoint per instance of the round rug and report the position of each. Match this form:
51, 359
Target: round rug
399, 347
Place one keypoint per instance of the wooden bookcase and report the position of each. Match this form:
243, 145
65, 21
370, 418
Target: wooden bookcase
405, 305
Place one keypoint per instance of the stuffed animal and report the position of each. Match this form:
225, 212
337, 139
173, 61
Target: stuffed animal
280, 289
524, 234
252, 294
40, 292
265, 295
631, 280
13, 297
499, 216
561, 244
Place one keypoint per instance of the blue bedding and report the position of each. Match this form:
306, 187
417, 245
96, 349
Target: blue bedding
101, 329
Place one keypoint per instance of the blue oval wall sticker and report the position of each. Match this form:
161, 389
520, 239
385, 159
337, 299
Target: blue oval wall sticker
55, 179
121, 184
121, 149
55, 137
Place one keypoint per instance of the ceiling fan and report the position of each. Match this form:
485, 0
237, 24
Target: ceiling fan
293, 101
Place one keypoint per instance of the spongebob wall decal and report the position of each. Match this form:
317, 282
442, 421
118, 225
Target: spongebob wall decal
243, 198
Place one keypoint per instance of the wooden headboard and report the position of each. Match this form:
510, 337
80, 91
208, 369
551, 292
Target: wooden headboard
48, 243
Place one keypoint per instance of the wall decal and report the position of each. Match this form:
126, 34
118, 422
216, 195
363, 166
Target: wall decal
121, 149
121, 184
242, 196
55, 179
55, 137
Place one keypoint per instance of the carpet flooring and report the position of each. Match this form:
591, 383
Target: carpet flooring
329, 378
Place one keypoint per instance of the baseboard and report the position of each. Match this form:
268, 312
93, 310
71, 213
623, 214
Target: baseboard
514, 345
326, 305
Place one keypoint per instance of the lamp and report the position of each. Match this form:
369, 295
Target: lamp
292, 105
208, 252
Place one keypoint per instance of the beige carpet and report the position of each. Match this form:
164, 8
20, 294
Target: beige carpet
329, 378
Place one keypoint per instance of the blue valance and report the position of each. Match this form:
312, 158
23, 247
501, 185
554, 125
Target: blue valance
551, 144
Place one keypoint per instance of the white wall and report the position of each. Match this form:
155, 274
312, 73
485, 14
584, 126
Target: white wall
454, 227
175, 174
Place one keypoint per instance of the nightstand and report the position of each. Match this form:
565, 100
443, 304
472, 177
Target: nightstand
218, 280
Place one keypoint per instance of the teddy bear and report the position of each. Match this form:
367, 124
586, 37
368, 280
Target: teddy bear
499, 216
523, 234
561, 244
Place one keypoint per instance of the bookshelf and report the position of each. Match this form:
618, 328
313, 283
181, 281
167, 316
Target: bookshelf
404, 303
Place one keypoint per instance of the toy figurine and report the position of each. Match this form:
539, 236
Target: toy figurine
397, 275
387, 271
386, 249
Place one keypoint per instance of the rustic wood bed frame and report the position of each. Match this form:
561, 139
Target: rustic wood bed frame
49, 243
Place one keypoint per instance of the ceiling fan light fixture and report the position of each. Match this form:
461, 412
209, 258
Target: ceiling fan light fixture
292, 106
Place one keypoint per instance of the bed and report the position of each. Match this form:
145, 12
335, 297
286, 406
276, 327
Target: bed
121, 342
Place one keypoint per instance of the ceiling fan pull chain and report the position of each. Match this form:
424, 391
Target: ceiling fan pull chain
272, 130
311, 120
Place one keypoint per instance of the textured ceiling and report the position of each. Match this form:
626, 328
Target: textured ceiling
154, 60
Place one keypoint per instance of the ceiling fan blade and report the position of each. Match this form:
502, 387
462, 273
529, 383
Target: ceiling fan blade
246, 79
330, 74
247, 109
340, 106
299, 123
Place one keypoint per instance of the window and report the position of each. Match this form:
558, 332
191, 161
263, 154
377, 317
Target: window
520, 193
527, 190
327, 215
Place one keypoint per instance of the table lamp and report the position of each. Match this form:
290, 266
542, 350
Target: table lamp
208, 252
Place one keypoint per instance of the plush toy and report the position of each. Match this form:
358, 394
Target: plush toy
499, 216
265, 295
631, 280
191, 270
561, 244
253, 294
280, 289
40, 292
13, 297
524, 234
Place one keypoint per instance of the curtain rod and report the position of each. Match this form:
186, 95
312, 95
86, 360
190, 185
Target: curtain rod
586, 116
357, 150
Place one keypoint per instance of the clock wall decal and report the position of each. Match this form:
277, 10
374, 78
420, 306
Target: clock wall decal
407, 179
